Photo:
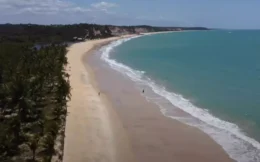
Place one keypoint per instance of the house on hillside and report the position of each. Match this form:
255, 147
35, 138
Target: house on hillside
78, 39
97, 33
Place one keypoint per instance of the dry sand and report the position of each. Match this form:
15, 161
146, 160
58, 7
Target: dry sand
127, 128
93, 132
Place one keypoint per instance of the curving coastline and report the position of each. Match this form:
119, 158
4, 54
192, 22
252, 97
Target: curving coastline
236, 143
98, 129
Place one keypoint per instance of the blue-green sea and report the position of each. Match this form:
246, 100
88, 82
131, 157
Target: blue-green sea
212, 75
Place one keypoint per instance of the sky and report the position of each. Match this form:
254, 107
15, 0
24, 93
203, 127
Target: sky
231, 14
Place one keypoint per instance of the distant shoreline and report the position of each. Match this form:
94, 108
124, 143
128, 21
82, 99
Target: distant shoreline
56, 33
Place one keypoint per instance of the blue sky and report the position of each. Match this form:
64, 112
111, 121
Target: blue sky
236, 14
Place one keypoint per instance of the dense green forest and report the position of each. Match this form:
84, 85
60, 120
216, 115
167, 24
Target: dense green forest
66, 33
34, 89
51, 33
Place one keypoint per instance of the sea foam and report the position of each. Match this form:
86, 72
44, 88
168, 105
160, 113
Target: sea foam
233, 140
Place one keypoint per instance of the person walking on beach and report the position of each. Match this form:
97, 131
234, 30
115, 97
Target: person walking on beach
143, 90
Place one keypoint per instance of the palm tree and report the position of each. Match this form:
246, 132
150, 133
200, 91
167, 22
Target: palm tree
48, 146
15, 129
33, 144
34, 90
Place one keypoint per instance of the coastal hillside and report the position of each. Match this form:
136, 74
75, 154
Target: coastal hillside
76, 32
118, 30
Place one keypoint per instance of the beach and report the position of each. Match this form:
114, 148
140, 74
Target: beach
110, 121
93, 132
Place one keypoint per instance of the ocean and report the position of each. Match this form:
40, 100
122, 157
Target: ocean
212, 76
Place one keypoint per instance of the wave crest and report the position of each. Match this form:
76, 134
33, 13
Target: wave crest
238, 146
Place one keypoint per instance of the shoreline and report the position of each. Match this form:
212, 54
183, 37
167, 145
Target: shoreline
125, 147
145, 124
239, 145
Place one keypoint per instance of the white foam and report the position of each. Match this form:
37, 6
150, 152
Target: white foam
239, 146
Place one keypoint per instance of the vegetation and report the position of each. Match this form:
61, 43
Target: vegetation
146, 28
51, 33
34, 90
65, 33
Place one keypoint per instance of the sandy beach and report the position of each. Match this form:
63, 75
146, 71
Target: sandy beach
119, 125
93, 132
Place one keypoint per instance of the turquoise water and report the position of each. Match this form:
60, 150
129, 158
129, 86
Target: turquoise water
214, 70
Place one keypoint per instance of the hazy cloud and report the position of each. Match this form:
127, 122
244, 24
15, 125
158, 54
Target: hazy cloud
104, 5
39, 6
66, 11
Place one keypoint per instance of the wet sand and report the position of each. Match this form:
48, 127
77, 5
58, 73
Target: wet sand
153, 137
